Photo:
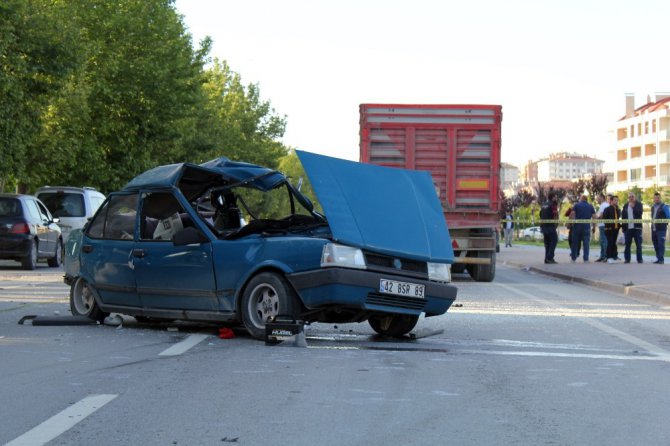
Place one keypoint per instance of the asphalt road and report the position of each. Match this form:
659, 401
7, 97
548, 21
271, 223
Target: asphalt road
525, 360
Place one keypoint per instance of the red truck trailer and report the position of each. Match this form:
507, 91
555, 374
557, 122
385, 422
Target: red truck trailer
460, 146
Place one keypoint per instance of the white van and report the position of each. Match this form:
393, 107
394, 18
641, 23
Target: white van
72, 205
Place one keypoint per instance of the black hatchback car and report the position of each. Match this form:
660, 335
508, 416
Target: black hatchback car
28, 232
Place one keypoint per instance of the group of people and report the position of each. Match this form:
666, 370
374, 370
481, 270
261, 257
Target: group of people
608, 210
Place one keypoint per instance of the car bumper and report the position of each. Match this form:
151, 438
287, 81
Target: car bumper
14, 245
359, 289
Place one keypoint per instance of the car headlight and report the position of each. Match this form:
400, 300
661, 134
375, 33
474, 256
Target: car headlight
440, 272
340, 255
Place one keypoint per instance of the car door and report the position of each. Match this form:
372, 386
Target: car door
107, 251
53, 231
40, 223
170, 276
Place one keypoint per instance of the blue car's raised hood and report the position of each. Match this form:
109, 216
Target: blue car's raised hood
387, 210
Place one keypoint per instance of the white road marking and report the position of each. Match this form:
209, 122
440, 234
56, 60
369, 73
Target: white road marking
663, 355
61, 422
184, 345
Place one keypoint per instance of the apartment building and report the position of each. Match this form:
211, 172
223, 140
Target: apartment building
562, 167
642, 147
509, 177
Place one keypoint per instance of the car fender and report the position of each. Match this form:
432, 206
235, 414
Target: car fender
266, 266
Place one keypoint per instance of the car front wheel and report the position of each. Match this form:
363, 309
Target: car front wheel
266, 296
82, 301
393, 325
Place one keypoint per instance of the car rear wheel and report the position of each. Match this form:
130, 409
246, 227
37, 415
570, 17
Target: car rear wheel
266, 296
30, 261
82, 301
393, 325
57, 259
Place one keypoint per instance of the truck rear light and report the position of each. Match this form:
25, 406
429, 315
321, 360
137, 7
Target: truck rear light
454, 244
20, 228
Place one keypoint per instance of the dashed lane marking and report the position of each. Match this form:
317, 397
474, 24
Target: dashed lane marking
184, 345
61, 422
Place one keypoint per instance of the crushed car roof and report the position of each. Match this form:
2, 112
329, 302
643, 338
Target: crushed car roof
193, 179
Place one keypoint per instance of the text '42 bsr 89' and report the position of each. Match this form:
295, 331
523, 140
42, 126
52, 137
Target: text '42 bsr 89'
200, 243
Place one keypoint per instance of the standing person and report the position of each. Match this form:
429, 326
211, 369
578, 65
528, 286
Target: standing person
509, 229
582, 234
632, 231
601, 227
659, 210
549, 211
570, 214
612, 212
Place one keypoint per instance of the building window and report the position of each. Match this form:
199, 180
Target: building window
653, 126
650, 172
622, 155
621, 134
639, 128
622, 176
635, 152
635, 174
646, 127
649, 149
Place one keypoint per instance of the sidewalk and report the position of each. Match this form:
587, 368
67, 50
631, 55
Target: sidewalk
646, 281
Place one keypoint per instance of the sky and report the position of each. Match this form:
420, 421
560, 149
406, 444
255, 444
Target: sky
560, 69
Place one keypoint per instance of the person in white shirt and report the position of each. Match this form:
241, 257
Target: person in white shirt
509, 230
601, 227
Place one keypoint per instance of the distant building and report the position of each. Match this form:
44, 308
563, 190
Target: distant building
561, 168
567, 167
529, 174
642, 147
509, 176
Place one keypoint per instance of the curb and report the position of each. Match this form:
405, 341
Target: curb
630, 291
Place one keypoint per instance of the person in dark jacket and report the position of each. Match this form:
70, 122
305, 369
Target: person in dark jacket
582, 231
549, 211
612, 212
632, 231
659, 210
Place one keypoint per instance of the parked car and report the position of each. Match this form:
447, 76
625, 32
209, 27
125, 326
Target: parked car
535, 233
73, 206
173, 244
28, 232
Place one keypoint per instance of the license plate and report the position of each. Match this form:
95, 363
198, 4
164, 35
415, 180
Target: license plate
401, 288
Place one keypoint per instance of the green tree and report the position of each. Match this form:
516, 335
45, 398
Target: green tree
236, 122
130, 104
37, 54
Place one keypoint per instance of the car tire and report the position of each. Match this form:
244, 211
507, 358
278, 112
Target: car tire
82, 301
266, 296
57, 259
393, 325
30, 261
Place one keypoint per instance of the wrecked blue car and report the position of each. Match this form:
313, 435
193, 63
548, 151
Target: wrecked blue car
236, 243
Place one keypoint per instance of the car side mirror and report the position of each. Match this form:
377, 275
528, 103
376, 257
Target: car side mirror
189, 236
55, 220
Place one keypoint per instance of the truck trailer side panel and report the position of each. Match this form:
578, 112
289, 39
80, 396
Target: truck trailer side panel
460, 146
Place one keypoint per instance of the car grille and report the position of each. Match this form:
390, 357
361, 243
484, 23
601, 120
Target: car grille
396, 264
410, 303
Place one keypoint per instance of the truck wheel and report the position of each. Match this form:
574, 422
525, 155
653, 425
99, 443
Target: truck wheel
82, 301
30, 261
483, 273
57, 259
393, 325
266, 296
